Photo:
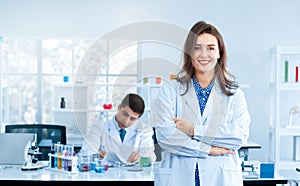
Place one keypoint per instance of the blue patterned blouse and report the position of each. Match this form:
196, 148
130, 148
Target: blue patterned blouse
202, 93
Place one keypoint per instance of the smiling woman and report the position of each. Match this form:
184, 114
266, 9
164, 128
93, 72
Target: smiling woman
201, 117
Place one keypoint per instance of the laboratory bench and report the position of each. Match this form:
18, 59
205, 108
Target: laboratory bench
12, 175
278, 179
248, 181
292, 175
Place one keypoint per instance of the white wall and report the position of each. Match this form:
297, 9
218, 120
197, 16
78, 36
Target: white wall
250, 29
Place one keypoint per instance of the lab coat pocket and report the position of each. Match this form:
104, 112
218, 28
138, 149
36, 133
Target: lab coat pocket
162, 177
232, 172
233, 178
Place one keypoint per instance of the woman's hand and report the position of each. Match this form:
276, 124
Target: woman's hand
184, 126
215, 151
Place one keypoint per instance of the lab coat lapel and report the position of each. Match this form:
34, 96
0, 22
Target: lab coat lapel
213, 112
112, 130
129, 134
131, 140
215, 101
190, 105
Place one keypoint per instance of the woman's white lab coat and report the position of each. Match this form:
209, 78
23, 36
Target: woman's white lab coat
224, 123
106, 136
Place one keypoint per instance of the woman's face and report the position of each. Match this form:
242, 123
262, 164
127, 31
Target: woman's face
205, 54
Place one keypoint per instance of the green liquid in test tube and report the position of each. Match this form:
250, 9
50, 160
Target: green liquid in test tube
286, 70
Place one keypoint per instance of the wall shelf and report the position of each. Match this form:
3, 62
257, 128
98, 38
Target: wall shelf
286, 131
281, 101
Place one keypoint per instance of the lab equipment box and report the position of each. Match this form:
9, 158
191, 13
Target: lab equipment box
266, 170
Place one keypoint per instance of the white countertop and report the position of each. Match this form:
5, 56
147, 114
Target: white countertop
14, 173
290, 174
46, 174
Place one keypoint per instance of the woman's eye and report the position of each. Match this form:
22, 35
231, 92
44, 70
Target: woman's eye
211, 48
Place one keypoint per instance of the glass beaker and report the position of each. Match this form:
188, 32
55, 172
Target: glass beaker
100, 166
84, 160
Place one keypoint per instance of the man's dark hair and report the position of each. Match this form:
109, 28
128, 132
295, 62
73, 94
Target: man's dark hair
134, 102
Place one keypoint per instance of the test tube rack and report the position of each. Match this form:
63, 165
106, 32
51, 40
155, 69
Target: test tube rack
73, 160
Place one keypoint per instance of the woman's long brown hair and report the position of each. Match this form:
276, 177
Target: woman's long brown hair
226, 80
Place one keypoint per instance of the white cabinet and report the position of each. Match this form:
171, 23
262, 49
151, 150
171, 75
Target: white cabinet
76, 113
81, 110
284, 95
147, 92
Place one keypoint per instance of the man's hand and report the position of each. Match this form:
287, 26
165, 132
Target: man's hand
214, 151
184, 126
135, 156
101, 153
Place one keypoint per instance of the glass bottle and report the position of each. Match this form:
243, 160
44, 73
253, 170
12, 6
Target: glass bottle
107, 105
62, 103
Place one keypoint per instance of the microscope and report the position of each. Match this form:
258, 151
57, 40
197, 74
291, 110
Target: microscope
30, 153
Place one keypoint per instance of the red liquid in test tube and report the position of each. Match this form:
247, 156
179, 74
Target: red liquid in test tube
297, 74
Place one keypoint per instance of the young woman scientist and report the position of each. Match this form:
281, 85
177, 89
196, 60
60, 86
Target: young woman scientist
201, 117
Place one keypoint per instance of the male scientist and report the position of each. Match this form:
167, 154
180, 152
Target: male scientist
120, 135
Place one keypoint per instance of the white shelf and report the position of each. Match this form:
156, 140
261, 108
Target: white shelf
76, 114
91, 84
104, 110
149, 85
288, 50
285, 131
70, 85
84, 110
79, 112
290, 86
289, 131
70, 110
280, 102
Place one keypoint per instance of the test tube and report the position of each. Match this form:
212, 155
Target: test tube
55, 153
59, 156
52, 158
70, 149
286, 69
297, 72
66, 155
